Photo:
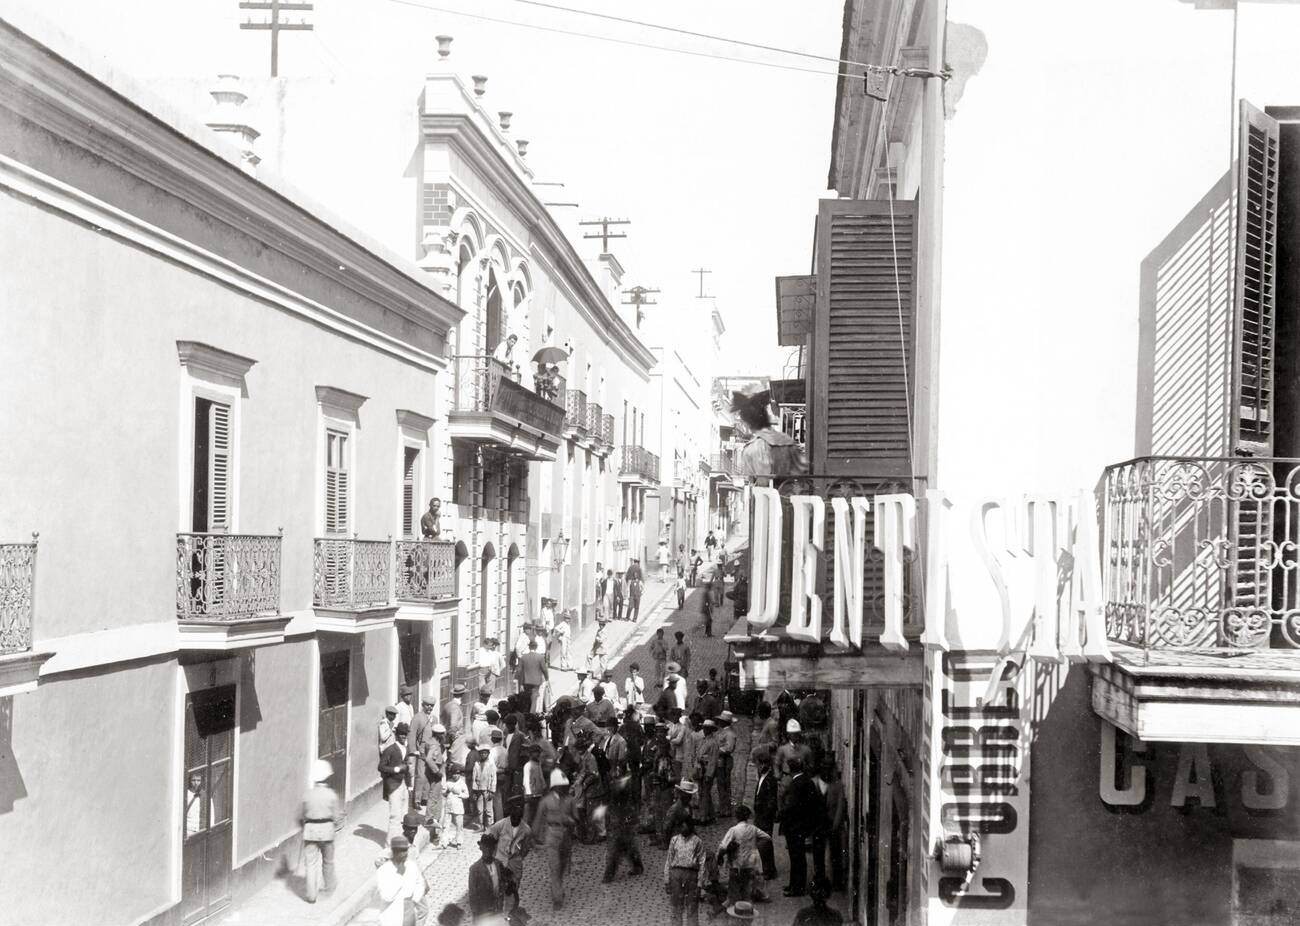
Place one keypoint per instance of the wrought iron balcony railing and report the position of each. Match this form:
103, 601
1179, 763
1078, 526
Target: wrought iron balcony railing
637, 461
426, 570
607, 431
351, 573
17, 596
1203, 553
575, 410
485, 385
595, 419
227, 577
726, 461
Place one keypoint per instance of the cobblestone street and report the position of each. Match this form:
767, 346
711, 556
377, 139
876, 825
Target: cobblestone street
628, 901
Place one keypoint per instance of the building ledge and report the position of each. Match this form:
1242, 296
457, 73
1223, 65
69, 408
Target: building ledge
355, 620
19, 671
426, 610
227, 636
1251, 698
515, 436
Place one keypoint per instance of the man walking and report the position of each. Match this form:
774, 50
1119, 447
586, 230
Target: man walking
556, 820
618, 596
621, 817
659, 653
321, 816
533, 675
726, 760
393, 773
635, 584
489, 881
765, 808
800, 818
514, 840
415, 743
681, 653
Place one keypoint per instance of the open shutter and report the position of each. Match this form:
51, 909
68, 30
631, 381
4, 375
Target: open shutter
218, 467
336, 483
1254, 321
861, 375
410, 457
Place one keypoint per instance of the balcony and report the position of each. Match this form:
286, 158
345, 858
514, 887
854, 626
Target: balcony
575, 413
724, 469
596, 428
1201, 583
607, 431
20, 664
228, 591
639, 466
351, 584
490, 407
426, 570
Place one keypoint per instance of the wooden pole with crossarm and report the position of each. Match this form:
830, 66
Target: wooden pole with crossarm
276, 25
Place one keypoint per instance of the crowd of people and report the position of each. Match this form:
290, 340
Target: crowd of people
651, 756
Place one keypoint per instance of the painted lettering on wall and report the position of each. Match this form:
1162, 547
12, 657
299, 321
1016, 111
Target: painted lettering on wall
1126, 780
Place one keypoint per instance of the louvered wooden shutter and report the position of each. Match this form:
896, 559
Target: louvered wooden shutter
218, 467
861, 374
336, 483
1253, 339
411, 456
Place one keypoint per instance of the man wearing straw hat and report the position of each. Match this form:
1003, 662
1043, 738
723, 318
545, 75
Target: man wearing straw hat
321, 816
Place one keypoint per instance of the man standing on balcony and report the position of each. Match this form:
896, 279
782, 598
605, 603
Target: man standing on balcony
505, 354
430, 521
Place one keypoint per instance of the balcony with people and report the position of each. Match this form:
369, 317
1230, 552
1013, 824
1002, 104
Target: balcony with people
1201, 586
493, 406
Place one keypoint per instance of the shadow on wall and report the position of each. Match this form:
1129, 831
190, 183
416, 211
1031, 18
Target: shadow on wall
360, 686
12, 788
250, 708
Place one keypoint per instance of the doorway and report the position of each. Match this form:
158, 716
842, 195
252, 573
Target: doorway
209, 786
332, 720
409, 645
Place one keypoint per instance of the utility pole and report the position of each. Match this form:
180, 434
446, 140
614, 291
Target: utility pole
276, 25
605, 222
638, 298
702, 273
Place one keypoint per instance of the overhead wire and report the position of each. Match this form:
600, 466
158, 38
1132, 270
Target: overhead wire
906, 72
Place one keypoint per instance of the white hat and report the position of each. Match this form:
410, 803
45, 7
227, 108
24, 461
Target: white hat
321, 770
557, 778
793, 727
438, 728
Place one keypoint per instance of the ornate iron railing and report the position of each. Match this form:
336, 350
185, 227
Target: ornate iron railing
637, 461
594, 419
227, 577
485, 385
478, 378
1203, 553
607, 431
351, 573
426, 570
17, 596
575, 410
725, 461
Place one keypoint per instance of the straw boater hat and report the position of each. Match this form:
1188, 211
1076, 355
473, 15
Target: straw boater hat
726, 717
458, 689
741, 910
686, 786
793, 727
710, 725
558, 779
672, 668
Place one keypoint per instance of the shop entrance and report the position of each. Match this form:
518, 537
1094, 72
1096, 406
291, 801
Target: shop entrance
209, 785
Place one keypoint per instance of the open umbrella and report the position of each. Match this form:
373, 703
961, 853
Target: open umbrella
551, 355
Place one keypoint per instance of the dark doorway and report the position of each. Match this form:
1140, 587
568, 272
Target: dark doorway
332, 720
408, 651
209, 787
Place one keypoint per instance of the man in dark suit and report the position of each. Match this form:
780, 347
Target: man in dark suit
801, 819
490, 882
393, 772
765, 808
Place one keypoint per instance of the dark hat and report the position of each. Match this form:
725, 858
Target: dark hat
751, 397
399, 843
402, 729
406, 690
497, 735
412, 820
458, 689
487, 839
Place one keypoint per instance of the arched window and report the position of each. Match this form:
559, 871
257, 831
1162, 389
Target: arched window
463, 281
495, 314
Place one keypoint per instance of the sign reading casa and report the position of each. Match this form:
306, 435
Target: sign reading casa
1013, 555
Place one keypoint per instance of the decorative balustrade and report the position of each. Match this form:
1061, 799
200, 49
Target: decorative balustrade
725, 461
227, 577
1203, 553
594, 420
575, 409
351, 574
607, 431
17, 596
426, 570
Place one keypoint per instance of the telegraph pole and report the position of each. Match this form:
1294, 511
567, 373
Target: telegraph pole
702, 273
605, 223
276, 25
638, 298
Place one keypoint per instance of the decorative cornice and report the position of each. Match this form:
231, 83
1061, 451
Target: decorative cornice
213, 361
458, 129
413, 420
109, 220
93, 107
340, 399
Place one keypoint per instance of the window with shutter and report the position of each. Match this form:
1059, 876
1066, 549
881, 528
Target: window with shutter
1254, 322
336, 482
219, 467
861, 376
410, 460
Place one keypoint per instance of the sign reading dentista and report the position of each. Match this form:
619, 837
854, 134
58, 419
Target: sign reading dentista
993, 578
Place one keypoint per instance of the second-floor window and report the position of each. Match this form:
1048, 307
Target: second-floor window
337, 508
410, 514
212, 467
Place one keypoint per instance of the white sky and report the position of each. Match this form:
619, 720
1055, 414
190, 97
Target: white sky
717, 164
